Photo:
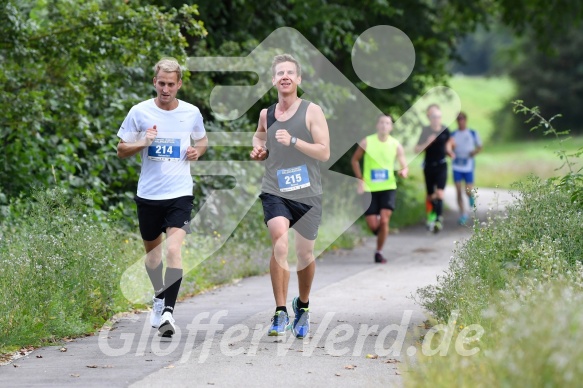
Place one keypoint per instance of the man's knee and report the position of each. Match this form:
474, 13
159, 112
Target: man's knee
305, 257
280, 246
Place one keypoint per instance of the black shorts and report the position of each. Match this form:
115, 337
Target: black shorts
155, 216
305, 216
381, 200
435, 177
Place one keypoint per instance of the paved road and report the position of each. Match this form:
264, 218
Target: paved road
358, 309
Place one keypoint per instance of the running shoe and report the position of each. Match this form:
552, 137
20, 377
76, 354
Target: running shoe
167, 328
156, 314
301, 325
438, 225
462, 220
279, 323
431, 217
379, 258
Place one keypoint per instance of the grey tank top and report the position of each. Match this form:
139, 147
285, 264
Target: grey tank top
290, 173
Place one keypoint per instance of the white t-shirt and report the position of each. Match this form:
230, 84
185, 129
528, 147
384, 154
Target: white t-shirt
466, 142
165, 171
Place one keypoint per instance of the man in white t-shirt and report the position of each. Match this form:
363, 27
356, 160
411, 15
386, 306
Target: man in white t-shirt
467, 144
163, 130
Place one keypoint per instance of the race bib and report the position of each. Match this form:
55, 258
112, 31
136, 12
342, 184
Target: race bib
463, 164
164, 150
291, 179
379, 175
460, 161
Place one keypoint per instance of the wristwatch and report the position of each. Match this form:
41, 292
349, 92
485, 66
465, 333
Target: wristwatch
293, 141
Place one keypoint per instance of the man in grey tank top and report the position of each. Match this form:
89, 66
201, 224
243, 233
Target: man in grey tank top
292, 138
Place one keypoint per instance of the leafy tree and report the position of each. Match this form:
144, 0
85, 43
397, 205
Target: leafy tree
70, 70
551, 80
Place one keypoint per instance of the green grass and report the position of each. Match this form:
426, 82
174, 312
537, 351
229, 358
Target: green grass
517, 281
58, 271
519, 278
61, 270
500, 165
481, 98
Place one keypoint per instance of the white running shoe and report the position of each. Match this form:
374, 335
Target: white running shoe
167, 328
156, 314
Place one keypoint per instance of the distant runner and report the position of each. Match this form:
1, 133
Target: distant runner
467, 144
380, 151
436, 140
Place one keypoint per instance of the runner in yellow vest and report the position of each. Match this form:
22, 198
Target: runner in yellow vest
378, 177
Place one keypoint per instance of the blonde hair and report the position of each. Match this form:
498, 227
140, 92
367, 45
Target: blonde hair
285, 58
168, 65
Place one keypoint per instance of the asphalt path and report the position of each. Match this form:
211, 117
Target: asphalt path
365, 324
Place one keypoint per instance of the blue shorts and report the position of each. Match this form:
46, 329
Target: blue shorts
468, 177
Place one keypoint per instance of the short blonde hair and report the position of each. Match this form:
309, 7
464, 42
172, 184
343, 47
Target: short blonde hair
285, 58
168, 65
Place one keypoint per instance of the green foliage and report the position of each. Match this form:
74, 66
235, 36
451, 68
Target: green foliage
551, 80
59, 270
70, 71
573, 180
532, 340
519, 276
410, 206
485, 51
539, 238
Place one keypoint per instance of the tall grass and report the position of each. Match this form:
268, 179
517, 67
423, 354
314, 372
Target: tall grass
481, 98
520, 276
59, 271
61, 267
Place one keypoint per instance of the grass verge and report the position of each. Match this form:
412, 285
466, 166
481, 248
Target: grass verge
519, 281
481, 98
500, 165
60, 269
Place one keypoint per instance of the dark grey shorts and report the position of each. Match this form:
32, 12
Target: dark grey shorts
381, 200
304, 216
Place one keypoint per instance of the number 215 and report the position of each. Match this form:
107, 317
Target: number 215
291, 179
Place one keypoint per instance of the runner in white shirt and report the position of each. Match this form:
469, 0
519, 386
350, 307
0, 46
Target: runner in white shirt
467, 144
162, 130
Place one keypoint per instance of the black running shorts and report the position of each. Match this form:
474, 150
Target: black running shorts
380, 200
305, 216
155, 216
435, 177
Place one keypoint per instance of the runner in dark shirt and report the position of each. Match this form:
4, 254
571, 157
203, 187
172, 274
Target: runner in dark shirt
436, 140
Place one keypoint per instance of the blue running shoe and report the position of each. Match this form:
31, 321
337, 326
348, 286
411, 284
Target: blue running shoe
280, 322
301, 325
462, 220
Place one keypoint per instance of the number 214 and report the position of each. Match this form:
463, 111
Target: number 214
163, 149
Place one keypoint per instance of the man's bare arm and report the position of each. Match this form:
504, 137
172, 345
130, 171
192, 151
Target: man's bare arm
126, 150
259, 151
320, 149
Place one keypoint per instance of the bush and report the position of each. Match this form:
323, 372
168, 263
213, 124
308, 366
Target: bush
59, 270
534, 340
539, 238
520, 276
